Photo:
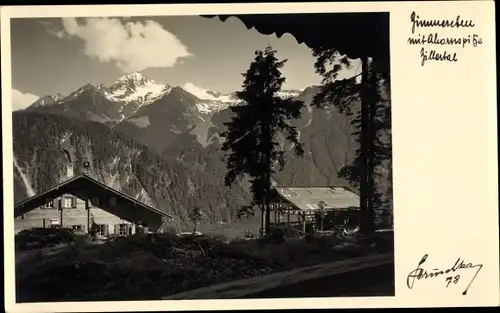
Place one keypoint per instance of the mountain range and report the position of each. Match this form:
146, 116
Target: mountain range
127, 97
175, 127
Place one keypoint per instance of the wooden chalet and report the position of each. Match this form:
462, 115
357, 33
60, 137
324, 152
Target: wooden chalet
80, 202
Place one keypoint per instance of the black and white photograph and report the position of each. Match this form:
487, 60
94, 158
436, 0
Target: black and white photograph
176, 157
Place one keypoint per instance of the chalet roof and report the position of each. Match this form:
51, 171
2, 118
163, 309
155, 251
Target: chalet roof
81, 181
307, 198
354, 34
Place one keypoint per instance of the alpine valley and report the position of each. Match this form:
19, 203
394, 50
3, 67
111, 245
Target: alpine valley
161, 144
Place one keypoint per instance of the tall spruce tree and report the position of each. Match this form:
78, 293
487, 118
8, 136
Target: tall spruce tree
371, 123
251, 146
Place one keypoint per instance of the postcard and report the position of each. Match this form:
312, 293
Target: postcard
249, 156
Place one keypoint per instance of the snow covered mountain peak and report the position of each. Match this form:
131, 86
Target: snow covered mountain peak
135, 88
212, 101
289, 93
133, 79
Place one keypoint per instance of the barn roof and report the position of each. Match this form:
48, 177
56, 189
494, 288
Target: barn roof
307, 198
84, 182
353, 34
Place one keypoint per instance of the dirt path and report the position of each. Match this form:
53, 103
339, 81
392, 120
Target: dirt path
366, 276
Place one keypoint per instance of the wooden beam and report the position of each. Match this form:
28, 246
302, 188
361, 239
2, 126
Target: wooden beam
87, 207
61, 221
133, 219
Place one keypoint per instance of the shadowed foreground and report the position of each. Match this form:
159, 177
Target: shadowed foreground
365, 276
144, 267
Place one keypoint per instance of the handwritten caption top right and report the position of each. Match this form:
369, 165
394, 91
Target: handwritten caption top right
446, 45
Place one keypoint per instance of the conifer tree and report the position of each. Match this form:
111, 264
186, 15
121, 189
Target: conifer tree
371, 122
251, 147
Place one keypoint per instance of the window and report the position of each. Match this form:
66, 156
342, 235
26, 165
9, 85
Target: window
101, 230
68, 202
49, 204
139, 229
123, 229
78, 228
55, 223
112, 202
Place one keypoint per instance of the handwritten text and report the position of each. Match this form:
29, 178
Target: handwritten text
437, 40
451, 275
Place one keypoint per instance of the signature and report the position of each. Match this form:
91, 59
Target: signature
453, 276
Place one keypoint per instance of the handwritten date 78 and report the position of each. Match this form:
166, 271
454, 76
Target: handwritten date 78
452, 279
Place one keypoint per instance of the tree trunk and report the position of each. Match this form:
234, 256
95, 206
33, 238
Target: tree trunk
365, 136
263, 217
372, 102
267, 203
267, 144
195, 224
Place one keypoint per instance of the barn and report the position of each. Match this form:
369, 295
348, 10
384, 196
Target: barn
302, 207
82, 202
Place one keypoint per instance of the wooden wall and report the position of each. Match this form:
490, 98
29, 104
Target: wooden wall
83, 211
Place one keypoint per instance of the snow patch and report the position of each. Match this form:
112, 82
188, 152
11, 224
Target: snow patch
284, 94
201, 132
175, 129
65, 137
115, 161
212, 106
212, 101
26, 181
191, 187
203, 93
144, 197
141, 121
309, 110
97, 118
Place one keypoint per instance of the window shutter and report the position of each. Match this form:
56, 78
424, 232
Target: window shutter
57, 203
84, 228
116, 229
129, 229
73, 202
106, 230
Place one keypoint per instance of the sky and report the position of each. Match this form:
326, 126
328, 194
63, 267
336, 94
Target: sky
55, 55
